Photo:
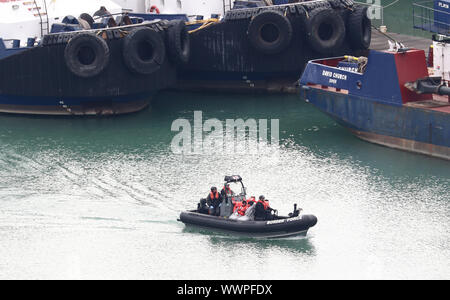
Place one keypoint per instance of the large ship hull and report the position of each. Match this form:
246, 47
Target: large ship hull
39, 80
223, 57
74, 106
410, 127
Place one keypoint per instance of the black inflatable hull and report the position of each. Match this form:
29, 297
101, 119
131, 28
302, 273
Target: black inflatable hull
281, 228
39, 81
224, 59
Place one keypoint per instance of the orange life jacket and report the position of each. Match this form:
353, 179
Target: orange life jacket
265, 203
237, 205
214, 196
227, 190
251, 199
242, 210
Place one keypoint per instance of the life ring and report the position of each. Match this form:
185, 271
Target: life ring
270, 32
359, 28
326, 31
154, 8
178, 42
86, 55
144, 51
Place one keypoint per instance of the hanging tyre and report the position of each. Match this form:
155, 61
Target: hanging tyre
143, 51
88, 18
178, 42
326, 31
270, 32
359, 28
86, 55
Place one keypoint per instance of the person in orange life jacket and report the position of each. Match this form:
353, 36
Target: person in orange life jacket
213, 200
242, 208
251, 201
264, 202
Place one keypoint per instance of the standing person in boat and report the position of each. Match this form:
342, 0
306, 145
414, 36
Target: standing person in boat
226, 191
213, 200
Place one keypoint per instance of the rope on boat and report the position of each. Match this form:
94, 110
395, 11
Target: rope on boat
205, 24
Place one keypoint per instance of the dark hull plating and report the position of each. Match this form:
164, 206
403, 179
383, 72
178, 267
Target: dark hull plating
402, 127
223, 59
38, 81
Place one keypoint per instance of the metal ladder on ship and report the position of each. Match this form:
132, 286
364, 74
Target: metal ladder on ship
43, 23
227, 5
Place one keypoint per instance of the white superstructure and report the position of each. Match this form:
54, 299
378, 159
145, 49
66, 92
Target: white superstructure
441, 59
22, 19
189, 7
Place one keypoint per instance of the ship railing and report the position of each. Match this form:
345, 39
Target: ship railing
227, 5
375, 13
428, 18
43, 23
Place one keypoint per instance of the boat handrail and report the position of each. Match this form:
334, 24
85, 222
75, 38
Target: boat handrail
109, 28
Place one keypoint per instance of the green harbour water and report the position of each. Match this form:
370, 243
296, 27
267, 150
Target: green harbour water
99, 198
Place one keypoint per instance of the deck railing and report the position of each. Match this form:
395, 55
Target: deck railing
43, 17
427, 17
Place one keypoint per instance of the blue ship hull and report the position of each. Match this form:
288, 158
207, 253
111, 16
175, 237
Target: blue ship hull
403, 127
74, 106
376, 101
39, 81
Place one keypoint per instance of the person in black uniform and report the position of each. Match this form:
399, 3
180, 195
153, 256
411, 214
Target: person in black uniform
213, 200
263, 211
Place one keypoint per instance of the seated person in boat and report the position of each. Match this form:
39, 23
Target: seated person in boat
263, 210
202, 207
213, 200
242, 208
251, 201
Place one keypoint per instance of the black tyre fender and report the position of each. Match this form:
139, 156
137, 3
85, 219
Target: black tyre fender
84, 24
359, 29
178, 42
270, 32
144, 51
326, 30
87, 55
88, 18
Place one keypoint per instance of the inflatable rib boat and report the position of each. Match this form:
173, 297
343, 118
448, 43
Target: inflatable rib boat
280, 227
253, 224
